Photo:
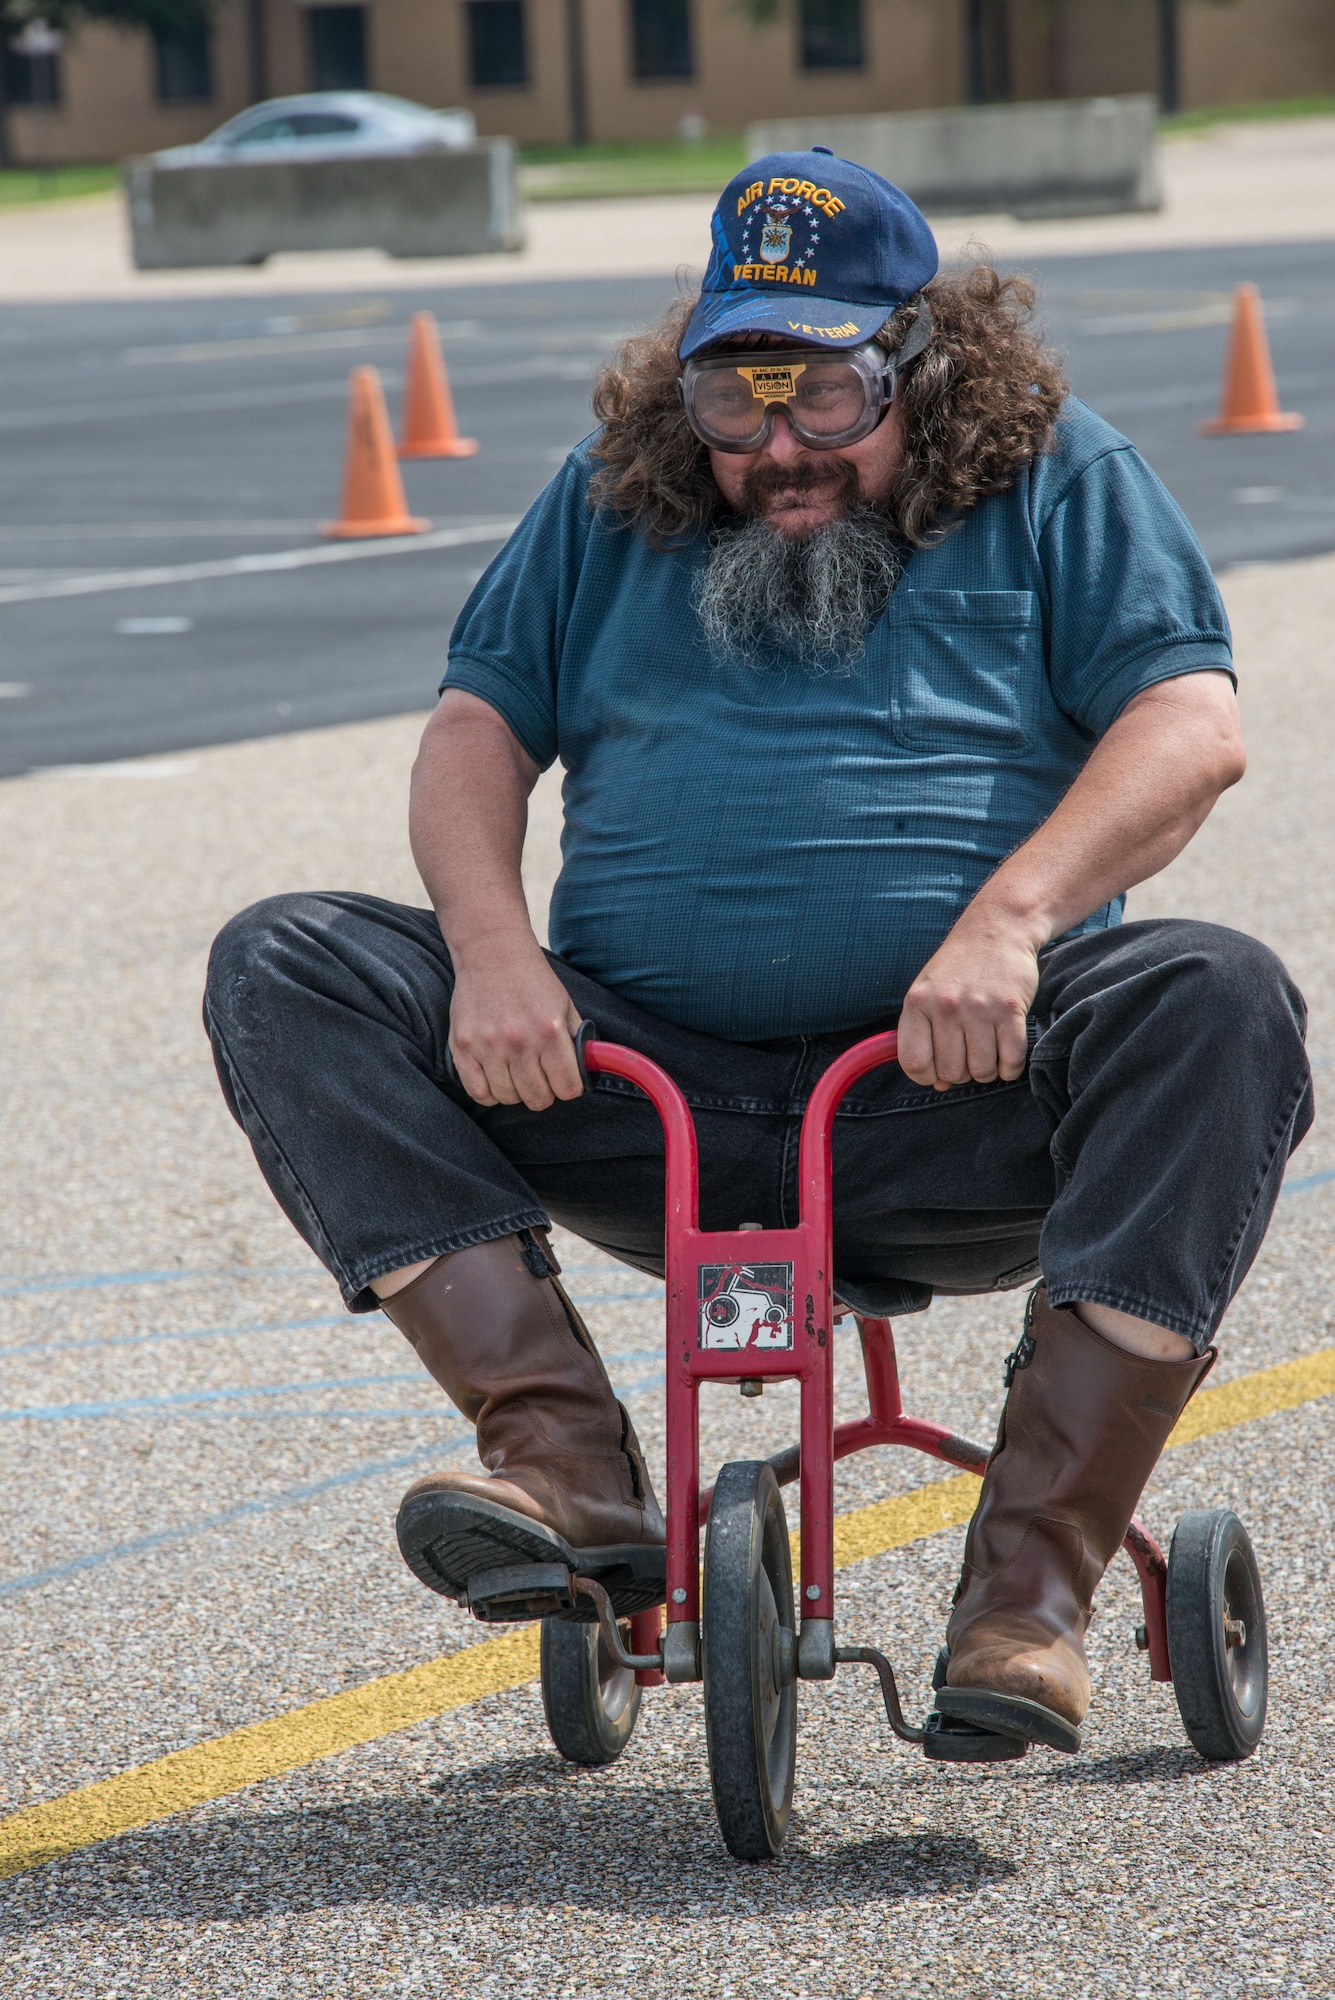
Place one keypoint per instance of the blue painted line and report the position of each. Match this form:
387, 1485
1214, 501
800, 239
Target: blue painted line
119, 1551
88, 1281
617, 1298
195, 1333
186, 1402
126, 1406
1309, 1181
189, 1333
95, 1280
601, 1271
371, 1412
643, 1387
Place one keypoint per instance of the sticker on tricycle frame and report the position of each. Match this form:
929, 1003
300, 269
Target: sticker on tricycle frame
746, 1305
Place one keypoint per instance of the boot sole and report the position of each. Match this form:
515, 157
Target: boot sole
1009, 1715
505, 1567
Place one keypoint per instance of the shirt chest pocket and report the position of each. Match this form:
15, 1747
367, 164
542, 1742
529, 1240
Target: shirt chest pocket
965, 669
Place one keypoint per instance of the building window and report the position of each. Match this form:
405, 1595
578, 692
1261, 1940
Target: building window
338, 47
497, 45
987, 24
660, 39
31, 79
832, 34
185, 63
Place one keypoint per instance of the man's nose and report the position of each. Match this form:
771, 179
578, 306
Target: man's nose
781, 444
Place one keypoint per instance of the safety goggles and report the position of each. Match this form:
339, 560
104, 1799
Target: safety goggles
831, 396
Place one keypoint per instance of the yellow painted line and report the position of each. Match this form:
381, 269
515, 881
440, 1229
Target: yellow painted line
243, 1757
227, 1764
908, 1517
1259, 1395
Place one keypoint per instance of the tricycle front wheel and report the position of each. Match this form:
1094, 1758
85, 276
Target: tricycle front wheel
748, 1648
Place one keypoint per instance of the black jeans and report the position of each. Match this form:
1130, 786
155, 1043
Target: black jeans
1137, 1163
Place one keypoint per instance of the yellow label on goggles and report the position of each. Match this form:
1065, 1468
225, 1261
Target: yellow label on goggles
774, 385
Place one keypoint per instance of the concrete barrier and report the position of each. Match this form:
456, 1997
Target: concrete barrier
1073, 156
446, 204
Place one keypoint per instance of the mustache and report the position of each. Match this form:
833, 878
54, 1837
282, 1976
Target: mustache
766, 481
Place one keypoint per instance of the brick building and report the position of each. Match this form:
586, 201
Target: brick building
552, 70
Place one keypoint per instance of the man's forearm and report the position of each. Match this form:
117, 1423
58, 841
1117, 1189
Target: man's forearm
468, 811
1148, 787
1149, 783
511, 1019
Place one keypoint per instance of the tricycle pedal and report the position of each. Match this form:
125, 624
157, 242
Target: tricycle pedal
948, 1741
520, 1590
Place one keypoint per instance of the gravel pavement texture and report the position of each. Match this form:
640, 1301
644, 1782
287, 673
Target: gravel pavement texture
203, 1454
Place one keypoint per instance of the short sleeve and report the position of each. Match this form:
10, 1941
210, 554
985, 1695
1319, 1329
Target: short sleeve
1131, 597
507, 641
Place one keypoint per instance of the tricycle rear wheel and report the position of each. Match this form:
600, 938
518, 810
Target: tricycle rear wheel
748, 1655
1217, 1634
591, 1702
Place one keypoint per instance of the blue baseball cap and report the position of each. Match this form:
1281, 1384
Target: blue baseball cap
812, 247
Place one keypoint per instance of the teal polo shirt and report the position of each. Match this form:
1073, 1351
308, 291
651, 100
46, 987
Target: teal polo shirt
765, 850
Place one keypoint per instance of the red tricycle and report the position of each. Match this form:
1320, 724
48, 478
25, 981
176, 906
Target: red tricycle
753, 1305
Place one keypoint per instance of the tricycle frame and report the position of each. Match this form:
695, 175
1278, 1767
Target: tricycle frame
809, 1360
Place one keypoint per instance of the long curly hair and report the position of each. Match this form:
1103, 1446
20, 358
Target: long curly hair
978, 404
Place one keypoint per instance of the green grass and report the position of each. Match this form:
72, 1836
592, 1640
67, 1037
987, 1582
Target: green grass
19, 184
547, 173
655, 166
659, 166
1228, 114
676, 166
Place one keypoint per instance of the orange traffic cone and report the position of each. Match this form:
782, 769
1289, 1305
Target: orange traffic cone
430, 428
373, 497
1249, 401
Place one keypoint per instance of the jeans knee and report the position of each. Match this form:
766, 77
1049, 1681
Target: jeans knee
255, 953
1241, 986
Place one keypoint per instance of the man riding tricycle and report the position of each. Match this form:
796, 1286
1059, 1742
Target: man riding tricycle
880, 669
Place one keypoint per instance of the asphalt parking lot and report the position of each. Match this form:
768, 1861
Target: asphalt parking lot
166, 468
245, 1753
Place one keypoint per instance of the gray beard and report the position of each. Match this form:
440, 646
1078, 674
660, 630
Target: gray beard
816, 599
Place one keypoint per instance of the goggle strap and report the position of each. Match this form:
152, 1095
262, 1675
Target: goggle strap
914, 341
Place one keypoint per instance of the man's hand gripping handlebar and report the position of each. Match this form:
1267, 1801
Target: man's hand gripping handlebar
512, 1025
583, 1034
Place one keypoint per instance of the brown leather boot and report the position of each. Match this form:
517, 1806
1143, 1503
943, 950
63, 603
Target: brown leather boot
1081, 1430
566, 1487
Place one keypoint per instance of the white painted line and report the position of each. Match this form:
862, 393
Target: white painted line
1180, 320
151, 531
290, 343
135, 767
14, 690
260, 565
153, 628
276, 395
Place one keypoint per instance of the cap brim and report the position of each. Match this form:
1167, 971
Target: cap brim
797, 315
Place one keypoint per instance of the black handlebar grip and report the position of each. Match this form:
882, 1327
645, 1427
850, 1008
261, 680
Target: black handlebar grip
585, 1032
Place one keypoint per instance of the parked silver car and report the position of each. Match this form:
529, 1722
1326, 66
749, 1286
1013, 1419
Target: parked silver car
327, 125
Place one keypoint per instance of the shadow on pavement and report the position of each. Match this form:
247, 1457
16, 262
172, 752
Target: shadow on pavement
520, 1832
1163, 1763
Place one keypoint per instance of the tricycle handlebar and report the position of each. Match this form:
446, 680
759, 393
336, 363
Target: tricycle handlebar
683, 1199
